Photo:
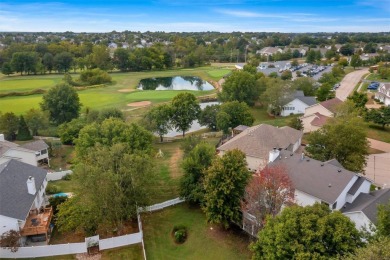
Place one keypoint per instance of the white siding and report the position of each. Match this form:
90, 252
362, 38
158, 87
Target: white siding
360, 220
342, 198
298, 108
364, 188
7, 224
304, 199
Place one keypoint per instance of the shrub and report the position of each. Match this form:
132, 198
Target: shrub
179, 234
66, 177
52, 189
95, 76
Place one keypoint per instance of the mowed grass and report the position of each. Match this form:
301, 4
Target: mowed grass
204, 241
218, 73
98, 98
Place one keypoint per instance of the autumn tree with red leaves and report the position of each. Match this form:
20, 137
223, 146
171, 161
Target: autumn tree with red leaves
266, 194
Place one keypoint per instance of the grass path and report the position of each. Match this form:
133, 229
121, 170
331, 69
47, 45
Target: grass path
174, 163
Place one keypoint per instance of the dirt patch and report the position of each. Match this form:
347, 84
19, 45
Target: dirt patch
125, 90
85, 256
139, 104
174, 163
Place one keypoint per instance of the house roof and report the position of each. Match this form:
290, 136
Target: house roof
5, 146
386, 86
356, 186
270, 50
241, 128
335, 163
368, 203
35, 146
308, 100
331, 104
321, 180
319, 120
257, 141
301, 96
15, 201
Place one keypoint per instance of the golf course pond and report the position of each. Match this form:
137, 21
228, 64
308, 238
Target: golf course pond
175, 83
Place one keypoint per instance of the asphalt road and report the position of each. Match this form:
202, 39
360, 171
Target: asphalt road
349, 82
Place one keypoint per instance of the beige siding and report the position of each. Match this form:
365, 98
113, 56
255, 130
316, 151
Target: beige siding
317, 109
307, 126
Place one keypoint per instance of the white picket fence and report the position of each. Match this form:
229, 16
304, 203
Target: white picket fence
78, 248
162, 205
55, 176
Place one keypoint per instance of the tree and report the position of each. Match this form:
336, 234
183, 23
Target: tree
101, 57
118, 181
383, 222
9, 124
112, 112
233, 114
277, 94
10, 240
267, 192
208, 116
194, 166
185, 109
311, 232
159, 120
48, 61
62, 102
359, 99
343, 62
95, 77
294, 62
23, 131
69, 131
286, 75
225, 183
347, 49
375, 250
6, 69
379, 116
63, 61
311, 56
36, 120
343, 139
306, 84
240, 86
356, 61
324, 93
112, 131
189, 143
121, 59
296, 123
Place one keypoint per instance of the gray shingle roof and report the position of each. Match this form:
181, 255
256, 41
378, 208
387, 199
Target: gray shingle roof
257, 141
321, 180
35, 146
15, 201
308, 100
5, 146
368, 203
356, 186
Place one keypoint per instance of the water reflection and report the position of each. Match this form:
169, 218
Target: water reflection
175, 83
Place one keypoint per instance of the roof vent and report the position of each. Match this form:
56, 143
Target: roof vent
339, 170
307, 159
322, 164
330, 185
291, 154
302, 156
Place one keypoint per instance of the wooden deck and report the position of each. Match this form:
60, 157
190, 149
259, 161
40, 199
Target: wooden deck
37, 223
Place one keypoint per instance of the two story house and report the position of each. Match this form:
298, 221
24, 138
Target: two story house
297, 104
22, 200
383, 94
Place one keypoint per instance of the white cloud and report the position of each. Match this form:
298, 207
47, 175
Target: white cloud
247, 14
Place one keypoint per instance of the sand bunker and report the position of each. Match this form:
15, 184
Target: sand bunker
126, 90
139, 104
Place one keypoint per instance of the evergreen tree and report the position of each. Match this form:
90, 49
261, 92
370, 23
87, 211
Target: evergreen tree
23, 131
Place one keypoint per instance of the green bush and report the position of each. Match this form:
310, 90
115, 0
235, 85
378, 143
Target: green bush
179, 234
52, 189
66, 177
95, 76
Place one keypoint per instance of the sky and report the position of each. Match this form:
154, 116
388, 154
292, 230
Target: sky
196, 15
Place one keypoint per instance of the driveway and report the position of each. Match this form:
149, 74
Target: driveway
349, 82
379, 145
378, 169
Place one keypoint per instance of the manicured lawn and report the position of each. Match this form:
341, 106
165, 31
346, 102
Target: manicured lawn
99, 98
204, 241
378, 133
27, 83
376, 76
364, 87
218, 73
262, 117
